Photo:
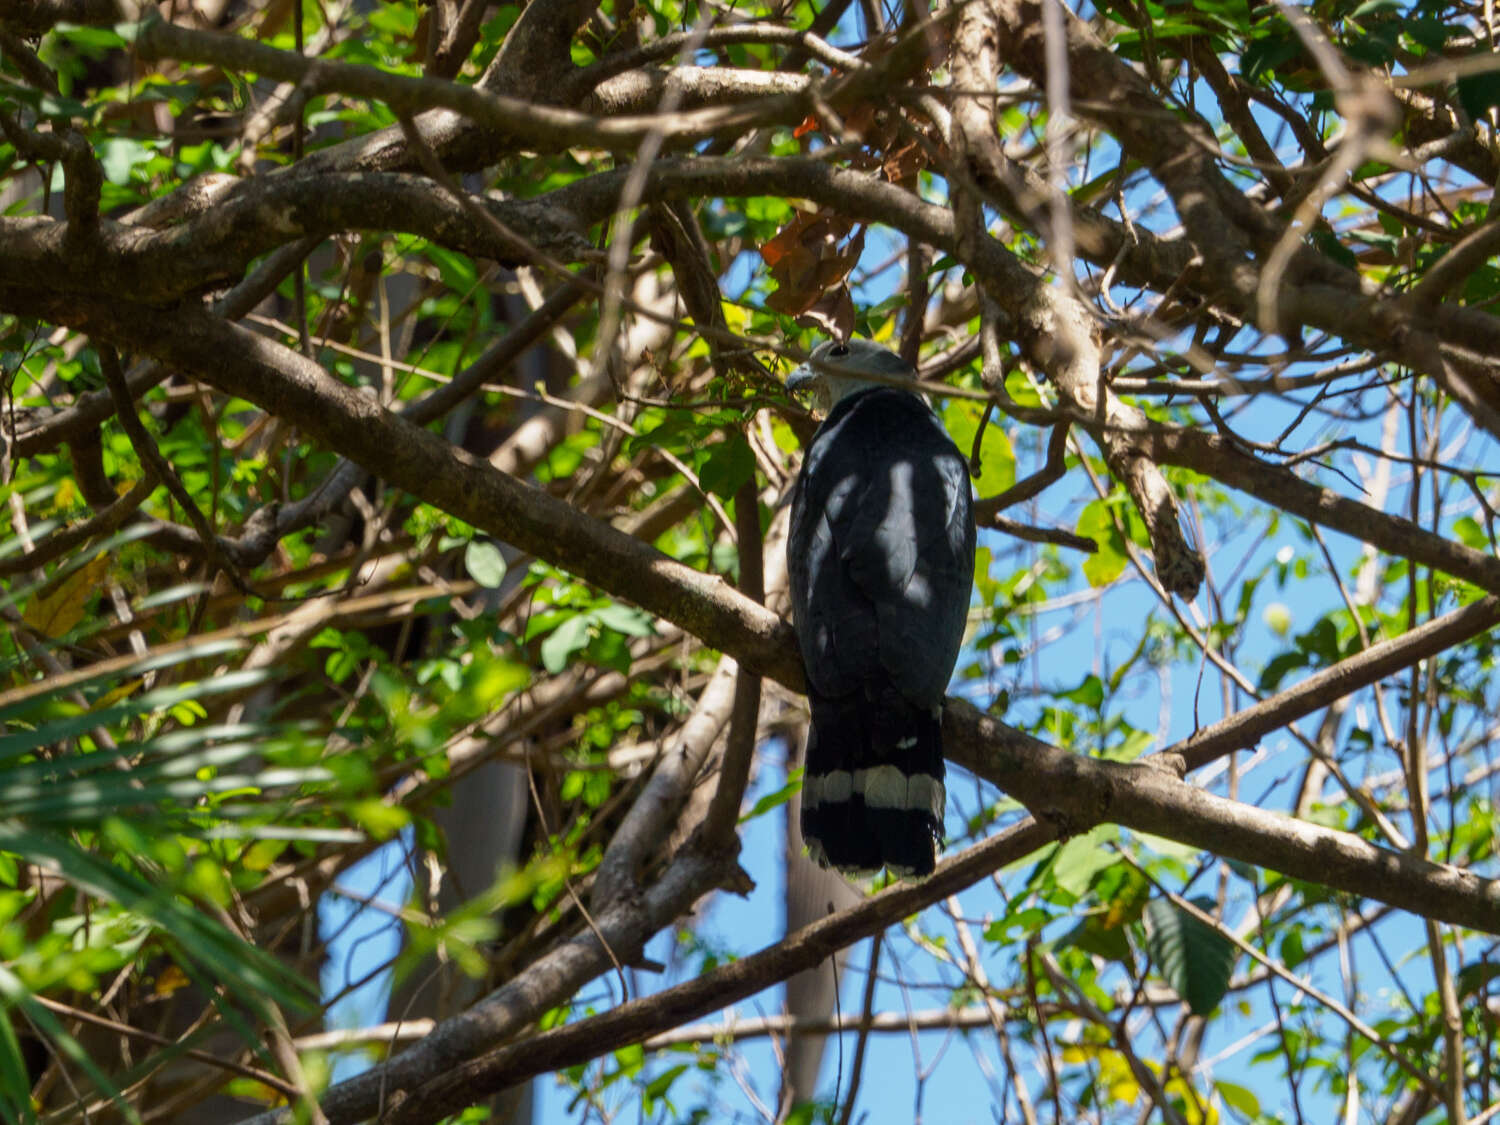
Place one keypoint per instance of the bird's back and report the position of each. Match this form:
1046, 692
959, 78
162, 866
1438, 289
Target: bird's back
881, 557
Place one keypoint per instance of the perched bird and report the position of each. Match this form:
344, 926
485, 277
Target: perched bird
881, 558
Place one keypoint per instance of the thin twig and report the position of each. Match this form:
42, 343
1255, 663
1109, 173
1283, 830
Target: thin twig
158, 466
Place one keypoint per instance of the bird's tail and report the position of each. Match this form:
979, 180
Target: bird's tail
872, 792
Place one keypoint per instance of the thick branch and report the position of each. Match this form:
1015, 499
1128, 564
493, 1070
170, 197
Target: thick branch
542, 127
1390, 325
1179, 153
94, 407
1076, 792
653, 813
263, 213
675, 230
670, 46
32, 17
1044, 777
1216, 456
559, 973
1057, 331
535, 57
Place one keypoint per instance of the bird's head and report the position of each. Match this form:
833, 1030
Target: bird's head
836, 369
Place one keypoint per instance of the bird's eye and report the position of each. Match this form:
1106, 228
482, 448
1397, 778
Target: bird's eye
839, 350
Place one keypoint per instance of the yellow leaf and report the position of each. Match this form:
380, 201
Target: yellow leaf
1115, 1077
260, 855
1118, 1079
114, 695
1191, 1105
54, 614
736, 316
251, 1090
67, 496
171, 979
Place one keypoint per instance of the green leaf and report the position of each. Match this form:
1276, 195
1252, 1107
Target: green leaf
1089, 693
1475, 978
1109, 562
1482, 283
118, 156
1191, 956
59, 730
997, 458
663, 1081
15, 1083
250, 974
631, 1058
1428, 32
1027, 922
611, 650
485, 563
729, 464
1171, 849
625, 619
1268, 52
1162, 30
52, 105
1329, 243
1238, 1098
1083, 857
569, 637
1470, 533
1278, 667
1322, 640
772, 800
1094, 937
15, 995
1478, 92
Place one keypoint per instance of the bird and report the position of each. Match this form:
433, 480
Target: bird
880, 557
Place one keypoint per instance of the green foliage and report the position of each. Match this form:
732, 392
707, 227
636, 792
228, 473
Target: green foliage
600, 630
145, 814
1192, 957
997, 458
1097, 522
485, 563
726, 467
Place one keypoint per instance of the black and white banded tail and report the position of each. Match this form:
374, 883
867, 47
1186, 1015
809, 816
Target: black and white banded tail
872, 792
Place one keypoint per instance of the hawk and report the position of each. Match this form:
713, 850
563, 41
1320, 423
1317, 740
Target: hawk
881, 560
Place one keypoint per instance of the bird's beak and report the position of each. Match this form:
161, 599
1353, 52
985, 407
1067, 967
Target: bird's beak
803, 379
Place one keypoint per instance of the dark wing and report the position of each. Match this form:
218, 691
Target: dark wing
881, 549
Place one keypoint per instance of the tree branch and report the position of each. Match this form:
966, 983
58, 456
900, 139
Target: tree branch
1075, 793
543, 127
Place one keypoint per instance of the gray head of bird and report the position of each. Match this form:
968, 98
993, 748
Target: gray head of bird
837, 369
